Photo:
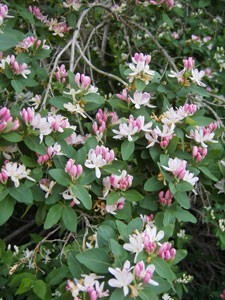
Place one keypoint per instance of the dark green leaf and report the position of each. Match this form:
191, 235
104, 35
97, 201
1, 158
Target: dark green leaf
53, 216
153, 184
163, 269
6, 209
104, 234
208, 174
69, 218
82, 194
12, 137
182, 199
40, 289
132, 195
127, 149
21, 194
96, 260
10, 38
33, 143
60, 176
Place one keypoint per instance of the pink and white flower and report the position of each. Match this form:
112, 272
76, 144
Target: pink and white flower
16, 172
141, 99
145, 274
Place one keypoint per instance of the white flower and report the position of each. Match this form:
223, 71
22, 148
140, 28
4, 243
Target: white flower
172, 116
151, 232
95, 161
178, 75
197, 76
200, 135
42, 124
123, 277
125, 131
135, 244
220, 186
47, 188
69, 195
16, 172
89, 281
75, 108
189, 177
167, 131
175, 164
152, 138
141, 99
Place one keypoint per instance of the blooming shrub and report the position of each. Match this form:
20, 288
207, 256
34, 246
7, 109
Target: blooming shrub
111, 153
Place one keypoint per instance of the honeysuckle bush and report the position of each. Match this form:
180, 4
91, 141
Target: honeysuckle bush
112, 148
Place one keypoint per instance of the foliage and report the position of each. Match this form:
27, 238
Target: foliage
119, 175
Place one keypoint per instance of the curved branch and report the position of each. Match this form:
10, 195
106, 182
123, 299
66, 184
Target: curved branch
159, 46
98, 70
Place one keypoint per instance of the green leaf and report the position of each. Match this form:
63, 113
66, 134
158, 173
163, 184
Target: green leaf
12, 137
208, 174
163, 269
33, 143
93, 98
21, 194
69, 218
10, 38
167, 20
60, 176
40, 289
96, 260
56, 276
135, 224
180, 255
3, 194
82, 194
28, 161
122, 228
18, 85
112, 198
120, 255
53, 216
147, 293
182, 199
184, 186
117, 294
132, 195
104, 234
59, 101
153, 184
74, 265
127, 149
6, 209
184, 215
25, 286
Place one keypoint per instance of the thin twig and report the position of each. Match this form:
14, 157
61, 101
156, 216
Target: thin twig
98, 70
160, 47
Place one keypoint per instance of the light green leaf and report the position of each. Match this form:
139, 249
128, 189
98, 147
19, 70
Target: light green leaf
25, 286
10, 38
184, 215
104, 234
180, 255
95, 98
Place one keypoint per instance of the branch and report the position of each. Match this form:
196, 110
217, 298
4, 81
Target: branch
98, 70
160, 47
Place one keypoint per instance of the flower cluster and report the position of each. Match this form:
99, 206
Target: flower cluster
90, 285
58, 28
73, 170
17, 68
102, 118
178, 168
118, 182
134, 126
189, 72
98, 158
203, 135
140, 68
